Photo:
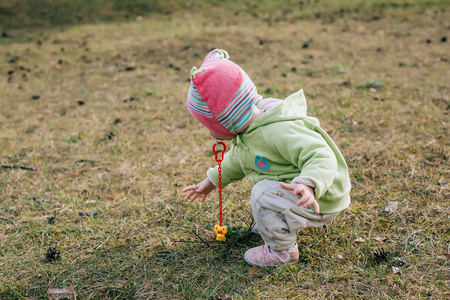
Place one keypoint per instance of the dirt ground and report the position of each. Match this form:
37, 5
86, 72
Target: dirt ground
96, 143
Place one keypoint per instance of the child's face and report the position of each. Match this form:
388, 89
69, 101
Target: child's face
221, 137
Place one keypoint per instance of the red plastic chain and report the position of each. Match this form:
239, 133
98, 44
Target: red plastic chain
219, 161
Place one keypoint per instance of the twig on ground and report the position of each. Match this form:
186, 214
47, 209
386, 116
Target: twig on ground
381, 199
205, 242
419, 230
247, 233
189, 242
18, 167
367, 190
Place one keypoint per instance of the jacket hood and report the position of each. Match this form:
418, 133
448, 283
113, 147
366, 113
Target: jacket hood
293, 108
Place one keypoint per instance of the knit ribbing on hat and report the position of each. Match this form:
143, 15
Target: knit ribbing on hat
236, 116
196, 102
221, 95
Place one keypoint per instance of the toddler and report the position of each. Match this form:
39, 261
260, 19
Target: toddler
300, 179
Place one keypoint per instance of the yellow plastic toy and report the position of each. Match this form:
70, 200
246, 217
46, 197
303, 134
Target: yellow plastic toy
221, 231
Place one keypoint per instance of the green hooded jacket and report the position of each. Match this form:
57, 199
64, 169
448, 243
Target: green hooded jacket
286, 145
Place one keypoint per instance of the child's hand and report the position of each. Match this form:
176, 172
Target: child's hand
205, 187
307, 194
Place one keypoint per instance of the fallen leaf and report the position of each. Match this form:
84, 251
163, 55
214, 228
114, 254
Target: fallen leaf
253, 270
340, 257
358, 240
380, 238
60, 293
392, 206
447, 255
116, 284
396, 270
40, 218
37, 218
88, 213
223, 297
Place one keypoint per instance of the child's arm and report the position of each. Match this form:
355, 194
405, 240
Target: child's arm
304, 146
231, 171
205, 187
306, 193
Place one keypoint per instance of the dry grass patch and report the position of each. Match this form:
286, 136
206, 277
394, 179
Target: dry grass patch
99, 111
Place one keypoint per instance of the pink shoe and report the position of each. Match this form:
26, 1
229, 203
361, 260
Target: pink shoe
265, 257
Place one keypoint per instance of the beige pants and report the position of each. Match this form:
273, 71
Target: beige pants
279, 218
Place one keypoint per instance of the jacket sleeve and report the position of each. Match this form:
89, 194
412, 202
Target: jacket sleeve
304, 146
231, 170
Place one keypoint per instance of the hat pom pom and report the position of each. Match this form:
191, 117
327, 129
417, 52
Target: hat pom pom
217, 54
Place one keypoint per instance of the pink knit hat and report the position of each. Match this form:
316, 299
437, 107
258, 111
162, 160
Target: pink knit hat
221, 95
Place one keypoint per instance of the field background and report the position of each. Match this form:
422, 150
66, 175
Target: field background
96, 144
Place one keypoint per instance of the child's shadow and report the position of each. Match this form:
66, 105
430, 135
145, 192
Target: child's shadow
231, 251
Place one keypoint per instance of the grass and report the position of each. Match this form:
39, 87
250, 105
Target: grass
99, 110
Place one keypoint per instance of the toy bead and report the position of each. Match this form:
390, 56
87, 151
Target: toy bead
221, 231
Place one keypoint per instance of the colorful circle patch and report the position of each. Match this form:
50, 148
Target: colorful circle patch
261, 163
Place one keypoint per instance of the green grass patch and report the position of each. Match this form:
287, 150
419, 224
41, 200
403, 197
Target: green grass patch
96, 143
